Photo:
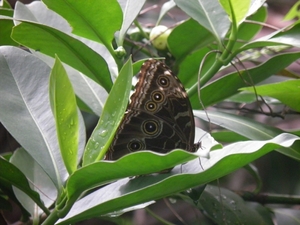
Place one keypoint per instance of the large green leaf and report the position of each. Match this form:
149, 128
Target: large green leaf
95, 20
221, 205
129, 192
146, 162
70, 50
131, 9
287, 92
90, 94
248, 30
64, 108
6, 25
287, 216
110, 117
248, 128
25, 108
181, 43
39, 182
11, 174
229, 85
238, 9
26, 113
289, 36
209, 14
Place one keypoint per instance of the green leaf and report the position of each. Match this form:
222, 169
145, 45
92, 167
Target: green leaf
226, 136
287, 92
209, 14
111, 116
233, 82
106, 171
40, 182
181, 43
230, 208
289, 36
6, 25
239, 9
248, 128
188, 69
287, 216
95, 20
11, 174
25, 109
243, 97
166, 7
247, 31
70, 50
131, 9
64, 108
293, 13
133, 191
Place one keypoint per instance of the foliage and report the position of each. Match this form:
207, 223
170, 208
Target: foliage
78, 56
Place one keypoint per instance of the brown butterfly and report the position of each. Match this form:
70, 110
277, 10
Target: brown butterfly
159, 116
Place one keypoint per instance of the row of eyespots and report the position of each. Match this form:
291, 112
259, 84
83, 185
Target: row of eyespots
150, 128
157, 96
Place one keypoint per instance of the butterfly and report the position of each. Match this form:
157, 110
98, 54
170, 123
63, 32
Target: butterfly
159, 116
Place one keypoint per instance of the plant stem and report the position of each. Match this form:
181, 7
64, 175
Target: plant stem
52, 218
269, 198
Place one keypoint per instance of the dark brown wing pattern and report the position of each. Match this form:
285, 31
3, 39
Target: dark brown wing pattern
159, 116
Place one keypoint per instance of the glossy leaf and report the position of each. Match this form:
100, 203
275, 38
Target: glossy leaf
110, 117
286, 36
248, 128
131, 9
233, 82
25, 109
287, 216
128, 192
209, 14
70, 50
188, 69
87, 90
223, 205
26, 113
81, 16
287, 92
40, 182
6, 25
177, 41
166, 7
247, 31
11, 174
64, 108
146, 162
238, 9
293, 13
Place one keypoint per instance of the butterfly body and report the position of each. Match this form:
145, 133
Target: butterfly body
159, 116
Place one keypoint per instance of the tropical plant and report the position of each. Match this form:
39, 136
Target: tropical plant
60, 60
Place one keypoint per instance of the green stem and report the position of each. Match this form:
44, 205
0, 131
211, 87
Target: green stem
161, 220
221, 60
137, 24
206, 77
52, 218
269, 198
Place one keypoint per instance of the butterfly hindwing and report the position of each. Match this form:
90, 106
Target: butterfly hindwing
159, 116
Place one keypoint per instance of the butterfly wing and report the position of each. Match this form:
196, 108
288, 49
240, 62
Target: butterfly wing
159, 116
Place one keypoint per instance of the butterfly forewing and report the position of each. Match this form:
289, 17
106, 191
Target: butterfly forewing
159, 116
